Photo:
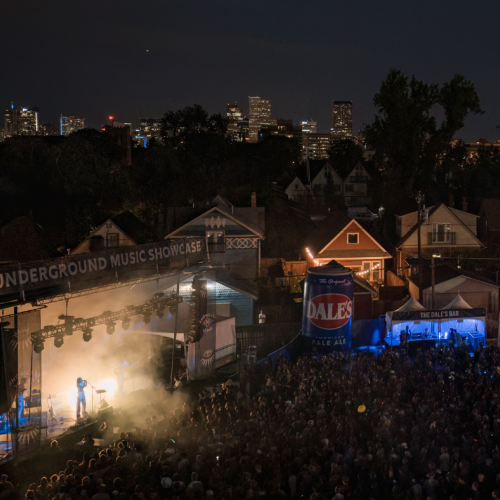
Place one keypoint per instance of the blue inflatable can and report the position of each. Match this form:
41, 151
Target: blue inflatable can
328, 308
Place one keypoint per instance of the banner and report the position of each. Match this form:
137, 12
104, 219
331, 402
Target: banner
441, 314
79, 272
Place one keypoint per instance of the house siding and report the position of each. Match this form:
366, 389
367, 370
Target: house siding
463, 238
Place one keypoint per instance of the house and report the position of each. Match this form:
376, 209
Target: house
355, 187
122, 230
489, 222
344, 239
234, 236
298, 192
476, 290
446, 232
327, 183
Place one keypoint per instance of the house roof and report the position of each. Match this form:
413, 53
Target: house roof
238, 219
133, 227
237, 283
490, 210
329, 229
251, 218
445, 272
432, 210
326, 230
353, 254
358, 280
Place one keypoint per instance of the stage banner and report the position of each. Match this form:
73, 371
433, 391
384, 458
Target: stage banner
89, 270
201, 354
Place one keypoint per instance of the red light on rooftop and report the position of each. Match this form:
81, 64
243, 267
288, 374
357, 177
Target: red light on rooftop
111, 117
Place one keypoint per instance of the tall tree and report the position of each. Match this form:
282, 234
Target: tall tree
345, 154
405, 133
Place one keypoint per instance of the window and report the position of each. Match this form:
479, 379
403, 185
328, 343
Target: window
108, 224
371, 270
349, 188
352, 238
216, 241
441, 233
112, 240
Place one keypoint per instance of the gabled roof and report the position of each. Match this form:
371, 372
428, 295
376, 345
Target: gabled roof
135, 230
330, 229
133, 227
432, 210
327, 229
445, 272
251, 218
238, 220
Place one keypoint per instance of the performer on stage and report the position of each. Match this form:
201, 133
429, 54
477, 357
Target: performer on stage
80, 400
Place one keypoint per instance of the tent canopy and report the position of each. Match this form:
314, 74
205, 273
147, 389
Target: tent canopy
457, 303
411, 305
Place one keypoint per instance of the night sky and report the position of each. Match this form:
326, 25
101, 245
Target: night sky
132, 59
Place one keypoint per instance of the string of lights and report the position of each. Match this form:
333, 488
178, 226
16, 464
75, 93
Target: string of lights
71, 324
368, 270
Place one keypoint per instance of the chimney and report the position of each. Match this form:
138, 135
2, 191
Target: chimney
465, 205
253, 202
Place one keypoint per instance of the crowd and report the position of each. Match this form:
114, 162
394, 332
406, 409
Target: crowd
334, 427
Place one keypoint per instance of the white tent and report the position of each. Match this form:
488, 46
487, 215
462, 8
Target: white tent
410, 305
472, 326
457, 303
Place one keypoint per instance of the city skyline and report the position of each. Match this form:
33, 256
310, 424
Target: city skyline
174, 55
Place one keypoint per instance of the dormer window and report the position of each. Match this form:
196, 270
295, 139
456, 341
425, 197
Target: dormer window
352, 238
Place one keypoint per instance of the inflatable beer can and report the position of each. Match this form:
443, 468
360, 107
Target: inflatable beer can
328, 308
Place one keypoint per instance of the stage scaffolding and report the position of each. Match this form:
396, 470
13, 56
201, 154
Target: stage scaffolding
21, 409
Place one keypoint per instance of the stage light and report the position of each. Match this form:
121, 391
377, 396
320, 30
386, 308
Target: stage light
87, 334
38, 346
125, 323
147, 317
110, 327
160, 310
58, 341
68, 323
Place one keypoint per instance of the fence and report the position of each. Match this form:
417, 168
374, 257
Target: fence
267, 337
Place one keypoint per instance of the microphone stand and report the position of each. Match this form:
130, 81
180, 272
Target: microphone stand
93, 389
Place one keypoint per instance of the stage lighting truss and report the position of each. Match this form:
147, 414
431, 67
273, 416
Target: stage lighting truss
70, 324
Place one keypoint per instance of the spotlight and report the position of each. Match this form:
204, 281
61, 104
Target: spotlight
68, 323
87, 334
160, 310
125, 323
58, 341
38, 346
147, 317
110, 327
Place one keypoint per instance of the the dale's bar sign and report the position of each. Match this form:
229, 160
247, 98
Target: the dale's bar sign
440, 314
89, 270
444, 314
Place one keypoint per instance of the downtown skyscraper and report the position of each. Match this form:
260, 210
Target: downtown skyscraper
69, 124
342, 120
259, 115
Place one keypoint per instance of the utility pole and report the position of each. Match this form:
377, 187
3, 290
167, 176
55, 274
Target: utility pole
433, 282
420, 198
